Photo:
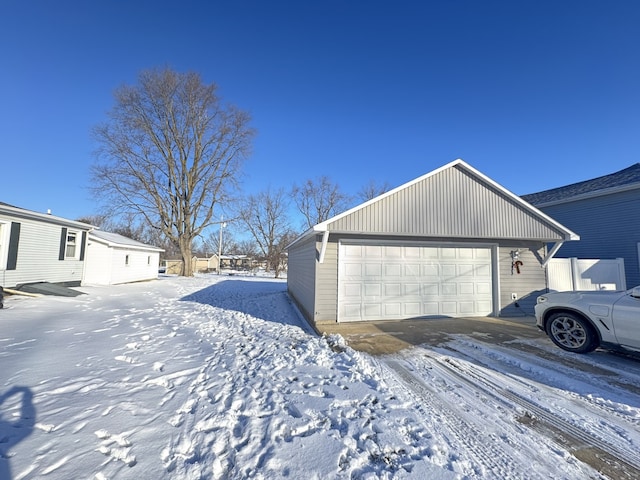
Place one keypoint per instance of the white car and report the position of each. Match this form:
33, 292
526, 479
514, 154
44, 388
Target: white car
583, 321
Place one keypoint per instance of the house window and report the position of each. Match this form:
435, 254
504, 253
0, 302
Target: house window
149, 260
126, 259
71, 248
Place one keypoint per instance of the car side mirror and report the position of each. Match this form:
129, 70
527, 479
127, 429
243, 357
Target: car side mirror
635, 293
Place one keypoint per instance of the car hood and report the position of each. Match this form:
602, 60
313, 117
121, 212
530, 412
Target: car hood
598, 296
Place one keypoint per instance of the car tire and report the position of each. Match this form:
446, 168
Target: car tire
572, 333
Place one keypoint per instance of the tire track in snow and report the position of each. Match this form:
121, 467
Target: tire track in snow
486, 453
601, 451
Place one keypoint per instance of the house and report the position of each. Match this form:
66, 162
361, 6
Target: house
199, 263
39, 247
604, 211
112, 259
450, 243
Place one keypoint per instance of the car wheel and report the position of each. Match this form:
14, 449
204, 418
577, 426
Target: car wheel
572, 333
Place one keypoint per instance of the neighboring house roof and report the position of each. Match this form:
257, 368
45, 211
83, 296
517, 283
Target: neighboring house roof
453, 201
626, 179
117, 240
8, 209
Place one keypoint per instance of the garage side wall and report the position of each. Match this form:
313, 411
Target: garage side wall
526, 285
327, 284
301, 276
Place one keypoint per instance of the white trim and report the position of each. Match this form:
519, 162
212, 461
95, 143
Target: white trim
5, 229
323, 249
551, 253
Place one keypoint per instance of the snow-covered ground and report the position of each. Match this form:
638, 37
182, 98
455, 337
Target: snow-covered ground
218, 377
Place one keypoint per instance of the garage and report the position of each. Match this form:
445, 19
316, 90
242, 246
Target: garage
451, 243
399, 281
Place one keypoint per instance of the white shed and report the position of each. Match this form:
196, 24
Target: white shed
112, 258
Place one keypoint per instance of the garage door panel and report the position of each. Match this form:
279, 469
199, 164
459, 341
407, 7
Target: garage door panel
467, 289
392, 289
392, 310
353, 270
430, 289
412, 270
412, 309
431, 271
373, 251
430, 309
411, 281
466, 308
352, 290
466, 270
449, 289
392, 270
372, 290
412, 290
373, 310
373, 270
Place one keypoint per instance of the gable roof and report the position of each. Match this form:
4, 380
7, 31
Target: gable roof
117, 240
453, 201
11, 210
623, 180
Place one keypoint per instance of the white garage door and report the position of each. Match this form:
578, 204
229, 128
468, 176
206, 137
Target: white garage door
384, 282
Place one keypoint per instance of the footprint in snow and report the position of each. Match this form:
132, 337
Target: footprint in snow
116, 446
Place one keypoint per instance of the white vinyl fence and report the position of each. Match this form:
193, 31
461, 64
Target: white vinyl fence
567, 274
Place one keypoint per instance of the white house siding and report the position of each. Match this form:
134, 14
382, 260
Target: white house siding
302, 265
141, 265
38, 252
99, 264
528, 284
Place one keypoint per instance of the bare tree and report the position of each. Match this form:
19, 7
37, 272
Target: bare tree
319, 200
372, 190
171, 152
265, 216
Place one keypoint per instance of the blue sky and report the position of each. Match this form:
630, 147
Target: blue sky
534, 94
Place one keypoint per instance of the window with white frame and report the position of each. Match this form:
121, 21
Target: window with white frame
72, 245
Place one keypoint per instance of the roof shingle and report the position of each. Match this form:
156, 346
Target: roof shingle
628, 176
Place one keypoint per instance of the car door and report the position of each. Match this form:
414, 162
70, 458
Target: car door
626, 321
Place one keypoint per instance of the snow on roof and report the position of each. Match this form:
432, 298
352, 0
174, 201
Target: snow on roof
115, 239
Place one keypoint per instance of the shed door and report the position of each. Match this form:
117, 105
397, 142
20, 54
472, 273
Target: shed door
389, 282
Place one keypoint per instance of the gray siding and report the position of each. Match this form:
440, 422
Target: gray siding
527, 285
301, 278
38, 252
327, 284
450, 203
608, 227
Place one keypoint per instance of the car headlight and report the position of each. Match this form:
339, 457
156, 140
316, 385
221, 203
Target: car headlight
541, 299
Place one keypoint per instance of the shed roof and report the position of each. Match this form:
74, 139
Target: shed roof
453, 201
117, 240
614, 182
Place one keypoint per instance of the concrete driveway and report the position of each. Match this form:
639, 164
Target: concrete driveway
384, 337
